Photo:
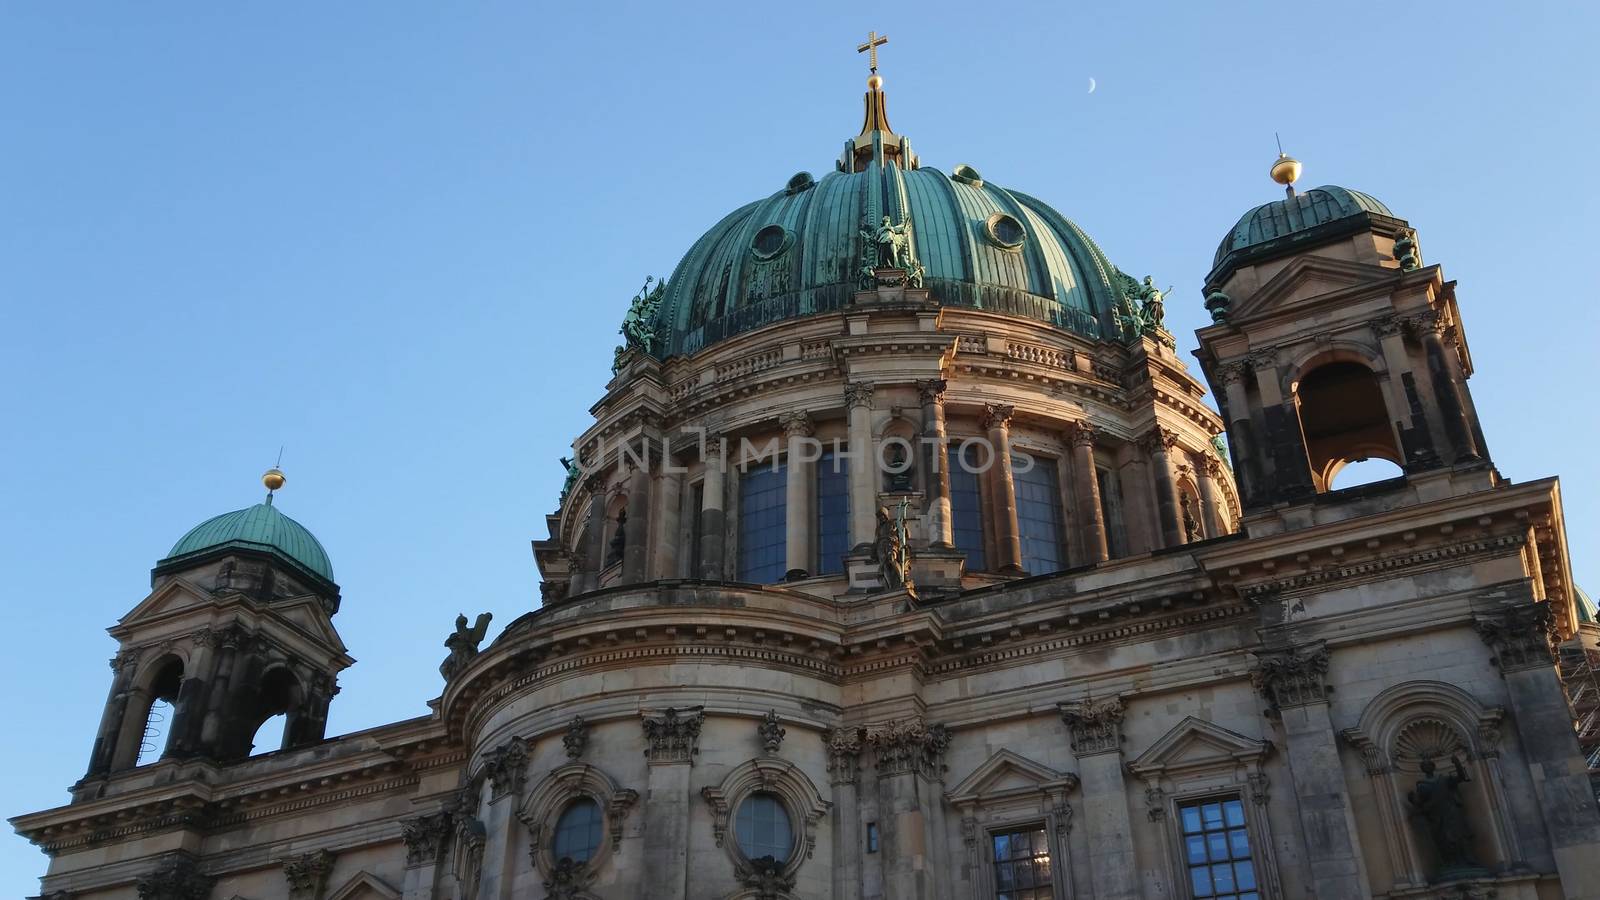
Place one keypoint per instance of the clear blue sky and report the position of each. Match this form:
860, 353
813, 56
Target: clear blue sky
398, 237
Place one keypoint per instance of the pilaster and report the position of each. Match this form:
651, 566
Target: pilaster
1095, 727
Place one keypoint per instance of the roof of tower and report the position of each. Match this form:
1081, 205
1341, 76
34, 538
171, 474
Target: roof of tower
260, 527
805, 248
1295, 214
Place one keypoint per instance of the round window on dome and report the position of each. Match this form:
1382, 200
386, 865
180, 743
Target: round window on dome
578, 830
762, 827
770, 241
1005, 231
802, 181
967, 175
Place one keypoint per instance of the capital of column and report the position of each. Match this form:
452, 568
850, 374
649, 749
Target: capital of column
1095, 725
1158, 440
307, 873
673, 734
1522, 637
1230, 373
931, 391
997, 415
1293, 677
425, 837
1080, 433
713, 446
595, 484
1211, 465
506, 767
796, 424
1265, 358
1387, 325
908, 746
844, 754
857, 393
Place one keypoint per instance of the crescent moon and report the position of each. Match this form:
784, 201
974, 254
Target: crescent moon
1091, 84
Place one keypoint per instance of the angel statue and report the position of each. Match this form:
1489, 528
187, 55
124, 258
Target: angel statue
463, 643
892, 242
1152, 308
638, 328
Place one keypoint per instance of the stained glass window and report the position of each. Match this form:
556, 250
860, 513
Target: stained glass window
966, 505
1022, 865
762, 506
1216, 849
833, 513
1039, 515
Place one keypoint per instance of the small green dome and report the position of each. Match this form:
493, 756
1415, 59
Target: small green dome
1291, 215
260, 527
1588, 613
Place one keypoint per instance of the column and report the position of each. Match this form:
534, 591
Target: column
1283, 441
1003, 512
909, 758
711, 518
636, 540
106, 739
799, 476
1521, 639
863, 471
844, 766
427, 838
1241, 431
667, 518
1096, 729
936, 462
1405, 406
1158, 444
1442, 371
1293, 680
507, 770
1086, 488
673, 739
216, 712
592, 543
1216, 511
189, 710
130, 733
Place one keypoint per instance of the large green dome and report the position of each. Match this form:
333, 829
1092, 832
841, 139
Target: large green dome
259, 527
801, 250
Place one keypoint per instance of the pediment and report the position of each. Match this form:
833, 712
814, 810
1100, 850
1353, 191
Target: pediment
307, 614
365, 886
1311, 281
1195, 744
1009, 773
175, 596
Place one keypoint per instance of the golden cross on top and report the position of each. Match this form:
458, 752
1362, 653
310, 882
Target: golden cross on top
874, 41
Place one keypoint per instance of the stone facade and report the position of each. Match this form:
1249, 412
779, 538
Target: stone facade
1266, 670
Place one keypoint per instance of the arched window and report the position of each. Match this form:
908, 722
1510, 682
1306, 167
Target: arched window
1359, 472
763, 504
833, 513
578, 831
1344, 419
280, 694
158, 717
763, 829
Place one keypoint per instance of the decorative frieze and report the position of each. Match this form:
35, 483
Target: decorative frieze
177, 878
307, 874
576, 740
844, 754
673, 734
908, 746
771, 732
426, 837
1095, 725
1292, 677
507, 767
1522, 637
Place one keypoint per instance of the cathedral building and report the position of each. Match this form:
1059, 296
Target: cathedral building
905, 558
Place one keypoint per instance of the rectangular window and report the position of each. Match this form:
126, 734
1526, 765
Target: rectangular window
1111, 511
1039, 514
872, 837
763, 503
1022, 865
697, 519
966, 506
833, 513
1216, 850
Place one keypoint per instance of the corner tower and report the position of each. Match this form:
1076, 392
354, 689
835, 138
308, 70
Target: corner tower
237, 629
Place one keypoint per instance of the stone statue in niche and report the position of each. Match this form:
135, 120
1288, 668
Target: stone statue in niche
897, 469
1191, 527
1436, 803
619, 540
463, 643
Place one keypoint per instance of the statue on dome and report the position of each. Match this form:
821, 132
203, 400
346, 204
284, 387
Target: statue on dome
893, 243
463, 644
1152, 306
639, 325
573, 471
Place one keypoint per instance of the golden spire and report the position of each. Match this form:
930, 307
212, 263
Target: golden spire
877, 139
273, 477
1285, 169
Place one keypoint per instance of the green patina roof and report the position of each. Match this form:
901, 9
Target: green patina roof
260, 527
1302, 212
1587, 611
964, 232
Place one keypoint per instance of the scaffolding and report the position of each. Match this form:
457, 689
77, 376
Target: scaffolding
1580, 678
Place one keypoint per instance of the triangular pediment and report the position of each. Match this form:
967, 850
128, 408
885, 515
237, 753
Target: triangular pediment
1313, 281
1008, 773
175, 596
307, 614
1195, 743
365, 886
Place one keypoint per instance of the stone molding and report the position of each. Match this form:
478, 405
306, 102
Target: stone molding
576, 739
997, 415
802, 802
540, 812
1296, 676
1522, 637
506, 767
176, 878
673, 734
771, 731
1095, 725
427, 837
908, 747
307, 873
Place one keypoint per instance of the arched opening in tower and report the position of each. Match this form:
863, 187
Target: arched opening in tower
1345, 423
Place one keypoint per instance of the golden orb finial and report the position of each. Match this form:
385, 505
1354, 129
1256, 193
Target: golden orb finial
1285, 169
874, 82
273, 478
